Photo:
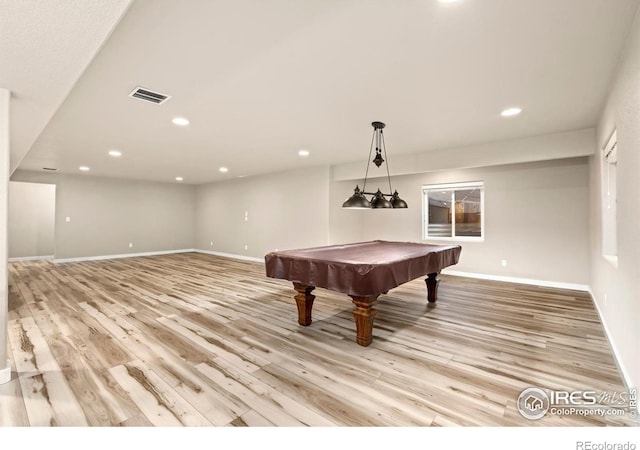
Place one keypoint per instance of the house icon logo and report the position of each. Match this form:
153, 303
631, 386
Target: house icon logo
533, 403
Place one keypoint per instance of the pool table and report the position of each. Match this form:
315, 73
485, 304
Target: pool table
362, 270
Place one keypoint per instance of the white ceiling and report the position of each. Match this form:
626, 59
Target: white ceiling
261, 79
44, 48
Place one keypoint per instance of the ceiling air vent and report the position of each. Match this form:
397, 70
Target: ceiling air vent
149, 96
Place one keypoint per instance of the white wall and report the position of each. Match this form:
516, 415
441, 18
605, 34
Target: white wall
107, 214
570, 144
536, 217
285, 210
31, 219
615, 289
5, 367
345, 225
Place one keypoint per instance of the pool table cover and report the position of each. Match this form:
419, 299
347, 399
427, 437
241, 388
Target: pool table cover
361, 269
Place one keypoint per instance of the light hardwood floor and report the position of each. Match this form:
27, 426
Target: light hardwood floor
198, 340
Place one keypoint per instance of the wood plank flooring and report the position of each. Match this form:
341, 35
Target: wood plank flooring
198, 340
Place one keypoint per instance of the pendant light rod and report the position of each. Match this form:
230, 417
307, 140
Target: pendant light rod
385, 156
368, 160
378, 200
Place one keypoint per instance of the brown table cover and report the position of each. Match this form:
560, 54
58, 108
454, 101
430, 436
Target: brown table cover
362, 269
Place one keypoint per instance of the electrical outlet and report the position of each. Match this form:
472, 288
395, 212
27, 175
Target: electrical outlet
130, 244
246, 247
67, 219
246, 216
211, 244
504, 263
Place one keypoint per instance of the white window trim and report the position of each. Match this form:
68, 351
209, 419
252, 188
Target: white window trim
453, 186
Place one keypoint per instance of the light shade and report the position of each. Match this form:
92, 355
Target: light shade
397, 202
357, 200
378, 201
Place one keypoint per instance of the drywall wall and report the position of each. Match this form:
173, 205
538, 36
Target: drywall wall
31, 219
5, 366
255, 215
536, 217
615, 288
106, 214
345, 225
545, 147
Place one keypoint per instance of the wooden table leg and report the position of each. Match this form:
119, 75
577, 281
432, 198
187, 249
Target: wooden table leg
432, 287
364, 315
304, 300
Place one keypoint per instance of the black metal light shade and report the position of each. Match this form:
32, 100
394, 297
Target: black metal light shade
378, 201
357, 200
397, 202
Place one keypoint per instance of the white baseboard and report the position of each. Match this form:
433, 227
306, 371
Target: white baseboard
165, 252
616, 354
554, 284
124, 255
31, 258
230, 255
533, 282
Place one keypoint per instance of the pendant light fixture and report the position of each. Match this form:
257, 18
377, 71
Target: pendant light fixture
358, 199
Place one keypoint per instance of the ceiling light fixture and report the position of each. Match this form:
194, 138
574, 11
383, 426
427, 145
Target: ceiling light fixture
180, 121
115, 153
303, 153
179, 178
510, 112
84, 168
223, 169
358, 199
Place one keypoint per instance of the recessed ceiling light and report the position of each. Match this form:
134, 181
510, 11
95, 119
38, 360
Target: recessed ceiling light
223, 169
115, 153
447, 1
510, 112
179, 178
84, 168
303, 153
180, 121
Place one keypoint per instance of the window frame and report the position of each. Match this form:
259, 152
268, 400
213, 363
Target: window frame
453, 187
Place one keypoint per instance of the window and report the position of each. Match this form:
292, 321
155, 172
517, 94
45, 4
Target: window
609, 166
453, 211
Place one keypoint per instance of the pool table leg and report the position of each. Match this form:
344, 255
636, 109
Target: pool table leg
364, 315
304, 300
432, 287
